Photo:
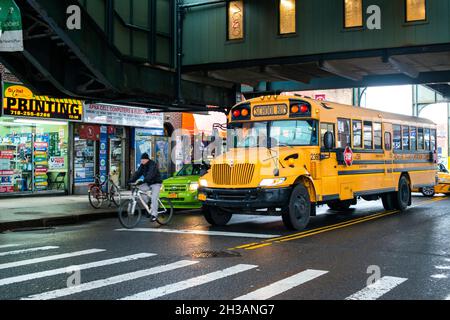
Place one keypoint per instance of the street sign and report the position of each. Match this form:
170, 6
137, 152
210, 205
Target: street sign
11, 34
348, 156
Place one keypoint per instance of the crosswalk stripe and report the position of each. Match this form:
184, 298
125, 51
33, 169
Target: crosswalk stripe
204, 232
378, 289
109, 281
49, 273
281, 286
448, 298
9, 253
8, 245
48, 258
186, 284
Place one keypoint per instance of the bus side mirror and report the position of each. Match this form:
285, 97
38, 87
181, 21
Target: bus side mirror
328, 140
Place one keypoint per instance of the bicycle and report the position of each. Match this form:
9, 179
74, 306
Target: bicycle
97, 196
130, 212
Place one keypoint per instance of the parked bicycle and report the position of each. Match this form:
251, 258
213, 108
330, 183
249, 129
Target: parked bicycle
130, 212
97, 195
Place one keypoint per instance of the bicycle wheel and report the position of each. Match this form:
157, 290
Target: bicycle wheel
96, 196
114, 195
127, 217
165, 212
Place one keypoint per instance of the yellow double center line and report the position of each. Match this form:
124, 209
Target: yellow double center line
308, 233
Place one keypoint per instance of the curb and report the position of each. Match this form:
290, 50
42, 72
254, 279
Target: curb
56, 221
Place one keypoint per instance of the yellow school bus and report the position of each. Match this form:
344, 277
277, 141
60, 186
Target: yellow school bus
288, 154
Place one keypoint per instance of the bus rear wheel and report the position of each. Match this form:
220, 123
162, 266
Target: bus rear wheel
216, 216
297, 215
403, 196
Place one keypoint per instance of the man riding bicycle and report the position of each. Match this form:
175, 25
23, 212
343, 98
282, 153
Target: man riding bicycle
152, 181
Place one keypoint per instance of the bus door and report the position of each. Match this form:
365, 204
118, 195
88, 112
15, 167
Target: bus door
388, 154
328, 167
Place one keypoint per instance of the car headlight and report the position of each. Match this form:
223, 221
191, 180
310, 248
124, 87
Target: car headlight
193, 187
203, 183
272, 182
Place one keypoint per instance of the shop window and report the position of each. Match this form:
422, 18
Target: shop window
416, 10
377, 136
353, 13
235, 20
357, 134
413, 134
420, 141
405, 138
397, 137
287, 13
427, 138
433, 140
368, 138
343, 133
387, 141
324, 128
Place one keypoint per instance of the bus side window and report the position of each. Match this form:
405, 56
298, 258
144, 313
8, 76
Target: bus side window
368, 138
413, 134
377, 133
326, 127
397, 137
427, 139
433, 140
420, 145
343, 133
387, 141
357, 134
405, 137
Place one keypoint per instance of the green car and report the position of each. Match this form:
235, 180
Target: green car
182, 188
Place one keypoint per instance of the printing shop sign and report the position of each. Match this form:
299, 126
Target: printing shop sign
11, 34
122, 116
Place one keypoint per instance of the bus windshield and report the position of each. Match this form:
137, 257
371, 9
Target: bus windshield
281, 133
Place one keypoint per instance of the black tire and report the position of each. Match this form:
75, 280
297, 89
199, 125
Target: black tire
428, 192
339, 205
403, 195
298, 214
388, 201
165, 217
126, 218
115, 196
216, 216
96, 196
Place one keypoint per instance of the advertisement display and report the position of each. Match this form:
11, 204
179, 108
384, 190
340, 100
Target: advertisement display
123, 116
143, 144
19, 101
103, 154
11, 33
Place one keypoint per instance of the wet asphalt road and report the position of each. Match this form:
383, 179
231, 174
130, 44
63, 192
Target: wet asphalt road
252, 258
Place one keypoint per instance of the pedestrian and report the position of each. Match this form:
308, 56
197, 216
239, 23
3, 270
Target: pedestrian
151, 181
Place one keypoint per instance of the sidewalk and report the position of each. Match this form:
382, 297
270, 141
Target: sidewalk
36, 212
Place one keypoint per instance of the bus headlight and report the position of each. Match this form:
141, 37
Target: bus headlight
203, 183
193, 187
272, 182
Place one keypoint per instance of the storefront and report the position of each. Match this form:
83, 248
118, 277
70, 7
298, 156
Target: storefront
34, 141
104, 144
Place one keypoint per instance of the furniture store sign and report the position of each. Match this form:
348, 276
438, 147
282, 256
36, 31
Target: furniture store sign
122, 116
11, 34
19, 101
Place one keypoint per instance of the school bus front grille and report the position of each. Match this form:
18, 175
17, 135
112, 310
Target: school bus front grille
237, 175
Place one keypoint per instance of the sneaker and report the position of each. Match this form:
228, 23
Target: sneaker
153, 218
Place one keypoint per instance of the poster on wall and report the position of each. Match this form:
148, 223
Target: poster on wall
162, 156
143, 143
103, 155
40, 166
11, 34
56, 163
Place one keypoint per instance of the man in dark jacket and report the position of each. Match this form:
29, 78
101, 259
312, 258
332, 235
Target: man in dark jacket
152, 181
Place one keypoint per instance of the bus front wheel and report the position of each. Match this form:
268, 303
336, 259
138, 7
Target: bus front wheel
296, 216
216, 216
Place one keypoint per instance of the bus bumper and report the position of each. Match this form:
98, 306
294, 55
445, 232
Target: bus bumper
257, 198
